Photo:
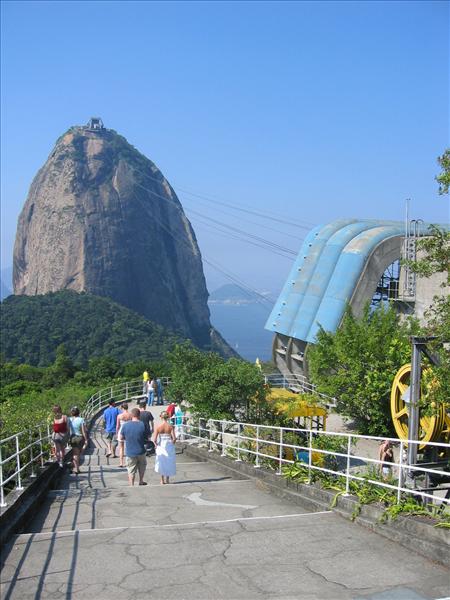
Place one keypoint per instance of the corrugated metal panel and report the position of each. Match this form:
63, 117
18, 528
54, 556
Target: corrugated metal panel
325, 274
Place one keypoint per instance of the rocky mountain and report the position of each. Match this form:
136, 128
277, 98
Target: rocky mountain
101, 218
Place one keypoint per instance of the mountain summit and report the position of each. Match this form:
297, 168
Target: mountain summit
101, 218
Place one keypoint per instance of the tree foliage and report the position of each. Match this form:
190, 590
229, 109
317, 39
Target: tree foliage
216, 388
33, 327
444, 177
357, 365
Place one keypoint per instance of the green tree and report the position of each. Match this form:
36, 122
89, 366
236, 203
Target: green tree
357, 364
216, 388
444, 177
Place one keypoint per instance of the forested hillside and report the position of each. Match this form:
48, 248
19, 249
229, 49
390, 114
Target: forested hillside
89, 326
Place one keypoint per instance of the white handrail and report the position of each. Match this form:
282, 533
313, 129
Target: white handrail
40, 435
233, 440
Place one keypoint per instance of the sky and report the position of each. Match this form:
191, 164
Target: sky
303, 111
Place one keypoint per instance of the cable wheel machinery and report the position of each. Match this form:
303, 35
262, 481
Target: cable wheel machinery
409, 386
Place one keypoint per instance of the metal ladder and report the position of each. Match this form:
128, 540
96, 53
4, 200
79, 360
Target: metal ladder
410, 253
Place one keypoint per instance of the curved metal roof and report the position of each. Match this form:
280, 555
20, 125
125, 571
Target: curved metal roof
325, 274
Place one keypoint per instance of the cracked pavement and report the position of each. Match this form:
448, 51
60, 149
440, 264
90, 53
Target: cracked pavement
96, 537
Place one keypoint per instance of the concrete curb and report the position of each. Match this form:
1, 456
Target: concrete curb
415, 533
21, 504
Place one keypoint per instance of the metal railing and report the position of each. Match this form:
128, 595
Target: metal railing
297, 383
270, 445
24, 453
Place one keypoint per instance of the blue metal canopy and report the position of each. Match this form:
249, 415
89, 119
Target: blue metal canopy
325, 274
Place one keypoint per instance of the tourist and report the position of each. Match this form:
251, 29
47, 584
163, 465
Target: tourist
110, 423
60, 435
386, 454
133, 433
145, 378
151, 389
178, 418
160, 391
164, 439
78, 437
171, 409
122, 418
147, 418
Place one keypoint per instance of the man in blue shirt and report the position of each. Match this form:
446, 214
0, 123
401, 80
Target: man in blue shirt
109, 423
133, 432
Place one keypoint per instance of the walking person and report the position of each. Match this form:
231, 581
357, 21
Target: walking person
147, 418
178, 418
151, 390
133, 434
110, 424
171, 409
78, 437
160, 391
145, 378
386, 454
164, 439
122, 418
60, 435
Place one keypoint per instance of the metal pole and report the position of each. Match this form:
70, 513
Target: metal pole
257, 448
347, 470
49, 443
126, 391
280, 456
223, 439
239, 443
19, 476
2, 493
309, 458
41, 450
210, 436
413, 421
400, 474
33, 473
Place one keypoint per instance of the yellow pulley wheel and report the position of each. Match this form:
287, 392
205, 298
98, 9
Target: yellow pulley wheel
430, 427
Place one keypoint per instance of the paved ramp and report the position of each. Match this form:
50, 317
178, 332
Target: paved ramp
206, 536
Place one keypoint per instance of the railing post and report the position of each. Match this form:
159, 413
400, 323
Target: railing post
280, 456
2, 493
19, 476
33, 473
126, 391
49, 443
309, 458
347, 470
223, 439
400, 474
238, 443
257, 465
41, 449
210, 436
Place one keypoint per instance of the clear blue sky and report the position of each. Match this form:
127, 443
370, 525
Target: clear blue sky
311, 110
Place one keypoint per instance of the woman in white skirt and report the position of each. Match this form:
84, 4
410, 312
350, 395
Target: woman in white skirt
164, 439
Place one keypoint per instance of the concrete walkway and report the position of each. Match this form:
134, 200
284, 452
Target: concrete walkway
206, 536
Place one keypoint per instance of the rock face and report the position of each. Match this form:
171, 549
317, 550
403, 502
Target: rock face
101, 218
